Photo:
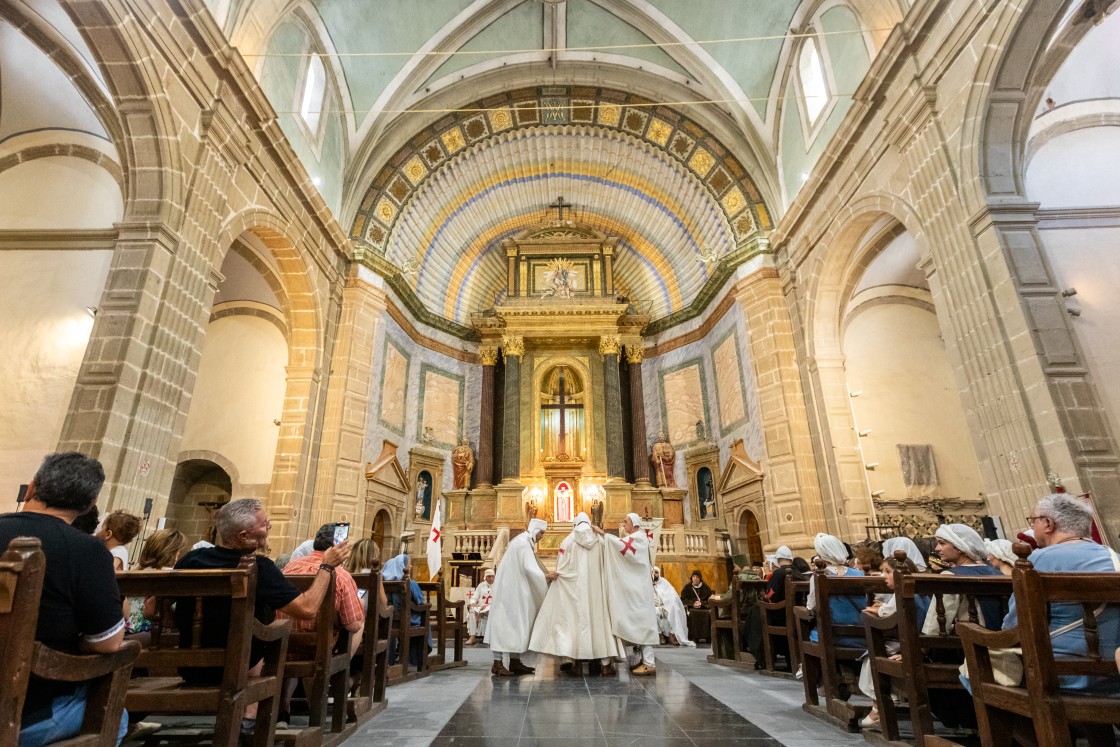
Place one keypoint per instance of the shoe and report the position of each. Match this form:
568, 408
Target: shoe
283, 719
867, 722
470, 641
517, 667
575, 669
141, 729
673, 640
499, 670
800, 673
643, 671
608, 671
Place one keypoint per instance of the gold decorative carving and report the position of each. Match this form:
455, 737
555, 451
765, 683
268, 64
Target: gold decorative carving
610, 345
513, 345
635, 353
488, 354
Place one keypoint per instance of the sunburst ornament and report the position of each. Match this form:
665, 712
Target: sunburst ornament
560, 278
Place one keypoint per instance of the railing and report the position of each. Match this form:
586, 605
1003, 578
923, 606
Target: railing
678, 541
479, 542
667, 543
695, 543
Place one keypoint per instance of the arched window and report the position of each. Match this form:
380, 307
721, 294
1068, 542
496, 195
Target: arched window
314, 93
814, 82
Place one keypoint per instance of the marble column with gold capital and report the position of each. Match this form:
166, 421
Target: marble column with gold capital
635, 354
513, 349
610, 346
489, 357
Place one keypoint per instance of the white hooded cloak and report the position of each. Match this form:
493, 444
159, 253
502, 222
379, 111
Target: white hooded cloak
633, 613
674, 609
519, 590
574, 621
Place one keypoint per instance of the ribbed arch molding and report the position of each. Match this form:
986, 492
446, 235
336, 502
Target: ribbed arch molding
450, 230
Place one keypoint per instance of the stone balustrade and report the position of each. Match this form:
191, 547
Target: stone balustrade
474, 541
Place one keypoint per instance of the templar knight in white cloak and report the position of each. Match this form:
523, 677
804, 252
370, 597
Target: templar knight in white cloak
519, 591
574, 623
632, 608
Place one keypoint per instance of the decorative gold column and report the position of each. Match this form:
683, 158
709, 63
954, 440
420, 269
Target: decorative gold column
513, 349
489, 356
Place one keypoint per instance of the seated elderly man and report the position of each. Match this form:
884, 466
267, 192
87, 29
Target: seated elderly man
242, 528
80, 608
478, 607
1061, 527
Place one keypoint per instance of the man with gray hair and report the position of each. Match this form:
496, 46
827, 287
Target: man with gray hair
1061, 524
242, 528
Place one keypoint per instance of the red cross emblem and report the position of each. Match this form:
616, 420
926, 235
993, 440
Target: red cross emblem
649, 533
435, 535
561, 550
486, 599
629, 546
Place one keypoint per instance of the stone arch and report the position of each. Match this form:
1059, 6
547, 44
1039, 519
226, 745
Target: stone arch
72, 150
149, 148
750, 534
203, 481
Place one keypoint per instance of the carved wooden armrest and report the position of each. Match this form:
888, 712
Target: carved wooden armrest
804, 613
56, 665
274, 631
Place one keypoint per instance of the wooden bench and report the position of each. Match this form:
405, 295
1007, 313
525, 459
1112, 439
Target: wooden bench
1001, 709
821, 659
450, 622
727, 619
236, 689
403, 631
374, 650
916, 674
321, 658
778, 622
22, 569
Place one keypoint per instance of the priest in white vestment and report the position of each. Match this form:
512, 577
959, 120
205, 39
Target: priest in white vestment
519, 592
631, 597
574, 622
478, 607
672, 621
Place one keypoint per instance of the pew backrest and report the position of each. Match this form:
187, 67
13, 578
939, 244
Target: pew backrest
322, 639
859, 591
22, 568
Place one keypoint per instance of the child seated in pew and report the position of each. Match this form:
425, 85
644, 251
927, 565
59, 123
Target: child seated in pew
845, 609
914, 563
161, 551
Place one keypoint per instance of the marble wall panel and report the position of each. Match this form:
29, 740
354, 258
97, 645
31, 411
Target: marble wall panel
684, 402
394, 386
729, 381
441, 405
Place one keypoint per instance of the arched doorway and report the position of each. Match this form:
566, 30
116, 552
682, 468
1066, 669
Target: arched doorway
382, 533
199, 487
750, 535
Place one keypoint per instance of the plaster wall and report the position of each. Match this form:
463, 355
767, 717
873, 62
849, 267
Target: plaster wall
1077, 169
44, 329
58, 192
238, 394
895, 357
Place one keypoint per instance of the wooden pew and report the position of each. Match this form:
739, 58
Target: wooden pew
820, 659
450, 621
403, 631
227, 698
1001, 709
915, 675
324, 666
727, 618
373, 678
778, 621
22, 569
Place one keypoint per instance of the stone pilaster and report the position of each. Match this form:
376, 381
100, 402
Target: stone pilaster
610, 346
794, 491
513, 349
340, 488
489, 356
635, 354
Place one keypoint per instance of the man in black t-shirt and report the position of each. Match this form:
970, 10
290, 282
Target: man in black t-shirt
80, 608
242, 528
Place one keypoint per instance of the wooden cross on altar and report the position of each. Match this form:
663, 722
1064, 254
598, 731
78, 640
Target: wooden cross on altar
560, 205
563, 406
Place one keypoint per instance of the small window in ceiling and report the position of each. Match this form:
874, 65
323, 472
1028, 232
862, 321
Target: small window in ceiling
314, 92
814, 84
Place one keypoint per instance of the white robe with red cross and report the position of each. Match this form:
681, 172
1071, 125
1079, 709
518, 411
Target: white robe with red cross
630, 584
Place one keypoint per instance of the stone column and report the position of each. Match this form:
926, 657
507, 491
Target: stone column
635, 354
609, 347
513, 349
795, 497
340, 488
489, 356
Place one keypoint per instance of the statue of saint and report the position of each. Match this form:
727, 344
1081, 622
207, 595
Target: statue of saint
462, 462
530, 510
597, 513
421, 489
663, 457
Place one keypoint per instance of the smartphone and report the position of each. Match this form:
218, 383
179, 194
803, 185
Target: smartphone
341, 531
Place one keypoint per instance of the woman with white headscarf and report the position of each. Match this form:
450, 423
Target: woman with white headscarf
845, 610
1000, 555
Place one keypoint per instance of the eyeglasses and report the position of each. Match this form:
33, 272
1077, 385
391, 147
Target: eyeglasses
1032, 519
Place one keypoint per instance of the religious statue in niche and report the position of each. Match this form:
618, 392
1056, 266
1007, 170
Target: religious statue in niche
530, 511
664, 456
563, 502
561, 279
705, 493
462, 462
597, 513
423, 496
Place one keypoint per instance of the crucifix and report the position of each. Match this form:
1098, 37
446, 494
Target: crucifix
560, 205
562, 406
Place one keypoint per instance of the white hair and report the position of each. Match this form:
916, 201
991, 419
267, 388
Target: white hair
236, 516
1069, 512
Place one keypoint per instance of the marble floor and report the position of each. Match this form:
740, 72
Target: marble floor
689, 702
